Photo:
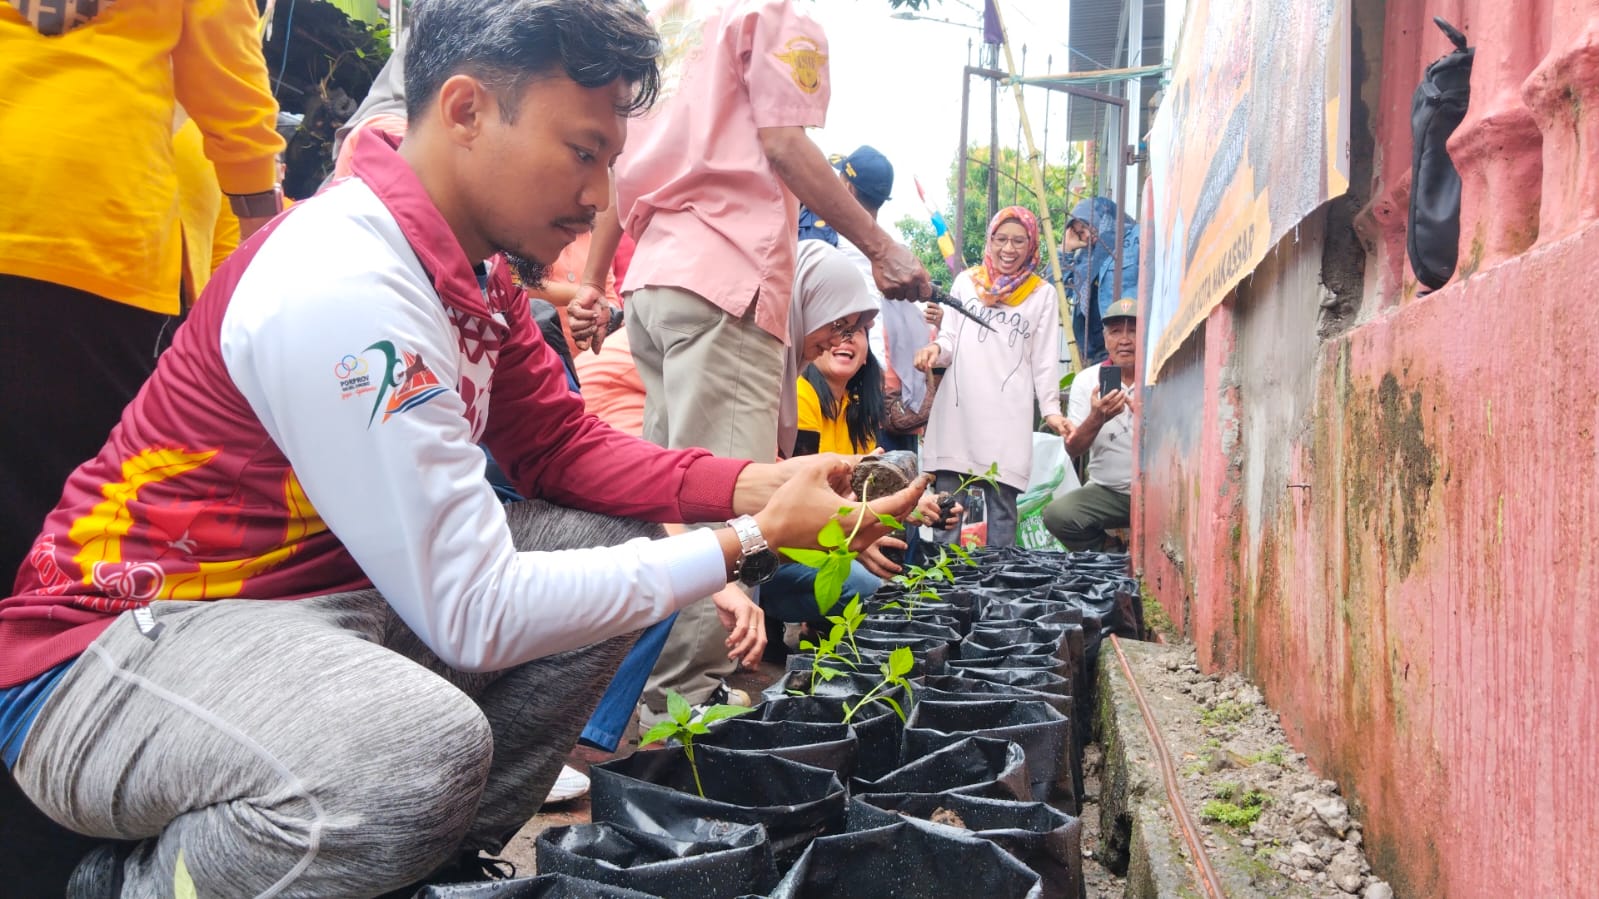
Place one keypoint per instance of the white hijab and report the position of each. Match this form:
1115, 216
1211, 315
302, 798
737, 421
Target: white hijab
827, 287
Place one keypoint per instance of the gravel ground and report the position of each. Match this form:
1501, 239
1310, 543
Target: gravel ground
1247, 788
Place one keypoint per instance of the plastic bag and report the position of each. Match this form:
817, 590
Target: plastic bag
1043, 733
544, 886
734, 862
877, 728
654, 792
979, 765
1044, 839
907, 859
821, 745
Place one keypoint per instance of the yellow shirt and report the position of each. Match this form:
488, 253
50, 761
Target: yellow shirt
88, 179
834, 431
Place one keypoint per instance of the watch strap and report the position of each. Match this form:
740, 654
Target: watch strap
258, 205
750, 540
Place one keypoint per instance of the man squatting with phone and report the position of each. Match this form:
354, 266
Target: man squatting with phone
1100, 394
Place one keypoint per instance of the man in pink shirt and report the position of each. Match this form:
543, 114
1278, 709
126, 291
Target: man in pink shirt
710, 188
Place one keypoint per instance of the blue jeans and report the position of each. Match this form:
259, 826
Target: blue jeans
791, 594
610, 718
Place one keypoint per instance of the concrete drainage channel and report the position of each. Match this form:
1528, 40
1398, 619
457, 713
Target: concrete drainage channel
1265, 823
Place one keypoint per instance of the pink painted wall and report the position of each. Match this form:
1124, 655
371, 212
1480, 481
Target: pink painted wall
1395, 530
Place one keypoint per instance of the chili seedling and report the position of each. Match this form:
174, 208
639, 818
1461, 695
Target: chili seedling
683, 725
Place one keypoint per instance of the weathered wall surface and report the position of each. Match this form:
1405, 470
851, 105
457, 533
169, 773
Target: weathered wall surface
1388, 514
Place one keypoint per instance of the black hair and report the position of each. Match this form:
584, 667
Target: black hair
508, 43
866, 407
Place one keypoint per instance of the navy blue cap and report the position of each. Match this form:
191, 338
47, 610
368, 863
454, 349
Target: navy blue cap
869, 171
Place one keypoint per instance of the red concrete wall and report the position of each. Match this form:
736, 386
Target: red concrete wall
1410, 566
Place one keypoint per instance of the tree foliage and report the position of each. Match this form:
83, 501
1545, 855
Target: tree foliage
1063, 183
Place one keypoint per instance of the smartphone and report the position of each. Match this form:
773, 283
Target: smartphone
1110, 379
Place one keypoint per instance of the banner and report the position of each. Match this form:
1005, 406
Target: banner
1252, 136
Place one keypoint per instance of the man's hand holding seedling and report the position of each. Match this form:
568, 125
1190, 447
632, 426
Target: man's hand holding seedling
810, 498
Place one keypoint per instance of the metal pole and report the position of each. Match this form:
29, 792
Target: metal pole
960, 175
1039, 189
993, 145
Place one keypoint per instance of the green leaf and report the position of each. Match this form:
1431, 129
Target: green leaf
901, 661
660, 732
886, 606
836, 634
893, 705
1066, 381
807, 646
825, 672
890, 522
697, 728
963, 554
830, 580
832, 535
723, 712
852, 610
810, 558
678, 707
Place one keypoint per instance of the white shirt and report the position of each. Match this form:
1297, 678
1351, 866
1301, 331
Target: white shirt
1110, 458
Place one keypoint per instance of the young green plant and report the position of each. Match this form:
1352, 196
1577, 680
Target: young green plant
683, 725
832, 562
898, 664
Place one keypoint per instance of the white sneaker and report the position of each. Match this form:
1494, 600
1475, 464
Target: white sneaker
572, 784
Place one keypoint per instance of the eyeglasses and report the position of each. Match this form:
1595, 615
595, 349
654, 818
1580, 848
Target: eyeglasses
842, 330
1019, 243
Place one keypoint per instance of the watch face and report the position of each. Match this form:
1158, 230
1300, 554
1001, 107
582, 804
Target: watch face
759, 567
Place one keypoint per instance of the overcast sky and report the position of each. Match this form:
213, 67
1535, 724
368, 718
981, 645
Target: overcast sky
897, 86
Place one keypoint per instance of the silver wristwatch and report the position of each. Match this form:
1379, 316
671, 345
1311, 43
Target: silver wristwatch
757, 563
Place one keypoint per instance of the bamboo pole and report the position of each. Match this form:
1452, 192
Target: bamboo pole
1042, 193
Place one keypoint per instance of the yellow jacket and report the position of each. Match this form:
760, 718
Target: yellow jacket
88, 182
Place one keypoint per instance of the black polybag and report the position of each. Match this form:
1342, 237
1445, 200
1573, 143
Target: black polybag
1432, 232
907, 859
877, 727
734, 861
544, 886
823, 745
1043, 733
1053, 664
1044, 839
654, 792
980, 765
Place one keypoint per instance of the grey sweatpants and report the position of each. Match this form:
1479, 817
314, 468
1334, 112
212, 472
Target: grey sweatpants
311, 747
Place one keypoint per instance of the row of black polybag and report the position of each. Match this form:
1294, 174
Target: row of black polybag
798, 804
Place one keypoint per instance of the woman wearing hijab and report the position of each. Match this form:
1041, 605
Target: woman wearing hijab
983, 413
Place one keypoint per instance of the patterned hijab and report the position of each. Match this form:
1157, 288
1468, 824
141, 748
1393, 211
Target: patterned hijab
994, 287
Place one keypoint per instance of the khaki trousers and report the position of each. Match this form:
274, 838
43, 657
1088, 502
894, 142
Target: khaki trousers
714, 381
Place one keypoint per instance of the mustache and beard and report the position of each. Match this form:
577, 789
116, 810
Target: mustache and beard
530, 272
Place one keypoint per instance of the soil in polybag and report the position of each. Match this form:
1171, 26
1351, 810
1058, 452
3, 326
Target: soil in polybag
544, 886
1044, 734
907, 859
654, 792
1043, 838
737, 862
821, 745
877, 728
980, 765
